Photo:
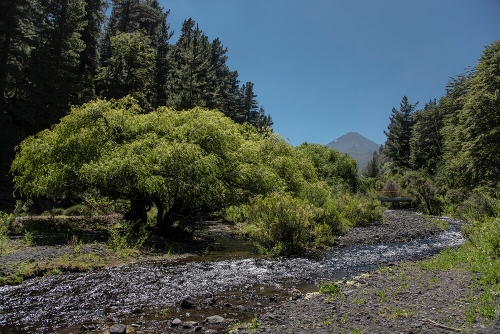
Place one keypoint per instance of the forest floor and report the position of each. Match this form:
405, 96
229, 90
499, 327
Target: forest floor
400, 298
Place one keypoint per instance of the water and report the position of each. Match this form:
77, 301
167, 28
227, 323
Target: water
110, 295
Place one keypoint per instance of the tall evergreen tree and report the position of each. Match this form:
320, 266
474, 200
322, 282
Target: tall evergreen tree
426, 143
162, 63
192, 74
479, 121
397, 146
450, 104
222, 79
54, 62
89, 57
129, 70
249, 111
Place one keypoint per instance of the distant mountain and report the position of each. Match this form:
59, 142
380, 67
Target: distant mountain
356, 146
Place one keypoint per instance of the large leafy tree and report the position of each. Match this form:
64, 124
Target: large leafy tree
333, 167
187, 163
397, 146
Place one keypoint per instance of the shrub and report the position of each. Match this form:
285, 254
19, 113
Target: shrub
5, 222
127, 234
425, 193
363, 210
77, 210
478, 206
280, 224
391, 188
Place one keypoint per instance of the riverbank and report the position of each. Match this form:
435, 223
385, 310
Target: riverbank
255, 295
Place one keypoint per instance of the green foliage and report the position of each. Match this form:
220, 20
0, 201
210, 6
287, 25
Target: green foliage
77, 210
332, 166
427, 142
331, 288
359, 210
254, 325
397, 146
478, 206
281, 224
129, 69
27, 238
479, 120
424, 192
5, 222
127, 235
185, 164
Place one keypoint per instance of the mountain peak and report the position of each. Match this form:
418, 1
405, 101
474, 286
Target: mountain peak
356, 146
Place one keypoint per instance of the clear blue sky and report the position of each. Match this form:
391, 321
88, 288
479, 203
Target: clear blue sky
322, 68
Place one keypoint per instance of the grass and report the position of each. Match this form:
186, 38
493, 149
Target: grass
254, 325
382, 295
330, 288
480, 255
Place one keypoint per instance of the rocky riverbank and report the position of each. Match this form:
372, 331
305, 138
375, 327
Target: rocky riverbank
256, 295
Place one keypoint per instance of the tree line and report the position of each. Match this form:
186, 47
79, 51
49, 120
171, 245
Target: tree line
59, 53
449, 149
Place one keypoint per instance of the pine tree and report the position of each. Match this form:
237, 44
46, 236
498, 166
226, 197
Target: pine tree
89, 57
162, 63
52, 70
249, 106
129, 70
192, 74
426, 143
397, 146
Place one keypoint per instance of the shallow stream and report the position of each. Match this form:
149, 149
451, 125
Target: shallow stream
148, 294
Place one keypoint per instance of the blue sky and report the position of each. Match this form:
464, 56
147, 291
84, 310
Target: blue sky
323, 68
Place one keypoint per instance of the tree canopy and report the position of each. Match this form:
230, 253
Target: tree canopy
185, 163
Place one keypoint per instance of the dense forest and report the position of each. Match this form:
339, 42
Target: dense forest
61, 53
105, 113
446, 154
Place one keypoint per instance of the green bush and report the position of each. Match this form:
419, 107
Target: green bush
77, 210
478, 206
5, 222
333, 216
127, 235
280, 224
424, 192
359, 210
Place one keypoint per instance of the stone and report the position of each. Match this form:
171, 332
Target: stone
189, 324
176, 322
210, 301
118, 329
215, 319
228, 305
187, 303
198, 328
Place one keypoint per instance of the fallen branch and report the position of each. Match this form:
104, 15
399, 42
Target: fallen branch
437, 324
